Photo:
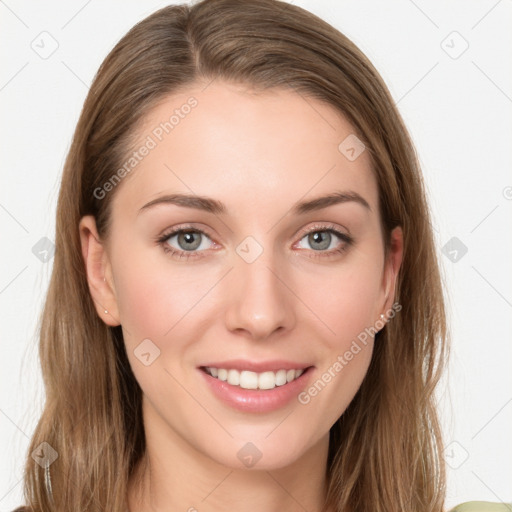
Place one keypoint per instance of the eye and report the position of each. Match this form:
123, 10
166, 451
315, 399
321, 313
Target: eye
189, 241
326, 240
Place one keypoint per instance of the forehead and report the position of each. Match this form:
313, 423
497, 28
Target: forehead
246, 148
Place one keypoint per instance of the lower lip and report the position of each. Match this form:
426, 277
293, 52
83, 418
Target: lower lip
257, 400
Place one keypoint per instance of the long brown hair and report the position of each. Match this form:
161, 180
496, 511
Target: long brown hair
385, 451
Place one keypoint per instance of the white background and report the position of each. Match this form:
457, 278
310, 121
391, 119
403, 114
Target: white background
458, 112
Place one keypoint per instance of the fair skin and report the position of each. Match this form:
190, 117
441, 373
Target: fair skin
259, 154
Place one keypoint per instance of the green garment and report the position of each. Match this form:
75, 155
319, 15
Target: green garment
482, 506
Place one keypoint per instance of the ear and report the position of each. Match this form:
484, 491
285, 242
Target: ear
99, 272
391, 268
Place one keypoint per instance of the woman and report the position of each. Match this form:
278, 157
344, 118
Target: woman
199, 350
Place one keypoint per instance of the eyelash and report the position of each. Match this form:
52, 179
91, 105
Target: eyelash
161, 240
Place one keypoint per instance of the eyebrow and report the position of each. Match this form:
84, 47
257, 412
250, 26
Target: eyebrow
214, 206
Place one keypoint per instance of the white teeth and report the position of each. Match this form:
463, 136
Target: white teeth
252, 380
267, 380
248, 380
233, 377
280, 377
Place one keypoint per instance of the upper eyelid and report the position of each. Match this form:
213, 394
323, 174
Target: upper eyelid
177, 230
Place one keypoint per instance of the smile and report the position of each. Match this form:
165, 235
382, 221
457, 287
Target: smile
256, 392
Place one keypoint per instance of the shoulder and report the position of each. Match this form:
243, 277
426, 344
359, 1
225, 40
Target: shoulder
482, 506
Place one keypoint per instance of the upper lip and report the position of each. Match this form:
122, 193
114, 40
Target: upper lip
258, 367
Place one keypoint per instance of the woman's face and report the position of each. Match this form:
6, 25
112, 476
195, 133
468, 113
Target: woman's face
259, 283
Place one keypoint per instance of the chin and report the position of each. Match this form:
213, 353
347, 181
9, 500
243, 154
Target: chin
261, 449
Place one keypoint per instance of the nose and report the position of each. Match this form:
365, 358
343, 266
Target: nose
260, 301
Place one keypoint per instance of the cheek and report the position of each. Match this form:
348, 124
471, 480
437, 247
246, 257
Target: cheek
152, 295
348, 313
346, 301
156, 303
349, 306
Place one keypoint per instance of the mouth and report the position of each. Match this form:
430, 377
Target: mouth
251, 391
247, 379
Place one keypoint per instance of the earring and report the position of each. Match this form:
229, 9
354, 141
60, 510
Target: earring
106, 311
383, 320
